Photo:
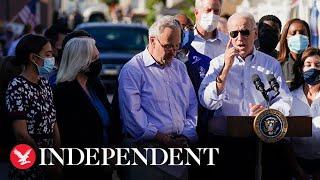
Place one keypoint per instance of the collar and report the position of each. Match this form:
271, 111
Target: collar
302, 96
249, 57
218, 35
147, 58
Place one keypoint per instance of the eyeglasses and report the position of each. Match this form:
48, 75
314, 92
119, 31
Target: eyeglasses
245, 33
168, 47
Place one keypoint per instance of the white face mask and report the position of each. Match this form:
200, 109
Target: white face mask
209, 21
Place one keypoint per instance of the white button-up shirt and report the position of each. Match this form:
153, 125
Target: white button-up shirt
307, 147
157, 99
211, 47
239, 89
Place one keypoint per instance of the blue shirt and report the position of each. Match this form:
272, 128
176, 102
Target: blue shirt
157, 99
239, 89
51, 77
102, 111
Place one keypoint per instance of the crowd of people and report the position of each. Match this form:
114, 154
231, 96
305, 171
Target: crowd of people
189, 74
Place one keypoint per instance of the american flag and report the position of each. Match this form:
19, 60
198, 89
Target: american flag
314, 16
28, 14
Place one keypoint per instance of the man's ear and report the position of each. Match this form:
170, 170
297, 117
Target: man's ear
152, 41
220, 11
256, 33
196, 11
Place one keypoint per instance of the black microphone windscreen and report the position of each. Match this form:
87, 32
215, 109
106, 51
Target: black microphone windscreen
255, 78
273, 82
270, 77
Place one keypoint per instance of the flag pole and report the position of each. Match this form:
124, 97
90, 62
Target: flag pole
14, 19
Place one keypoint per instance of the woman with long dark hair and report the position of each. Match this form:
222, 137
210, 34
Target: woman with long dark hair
29, 102
295, 38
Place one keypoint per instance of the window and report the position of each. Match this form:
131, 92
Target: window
120, 39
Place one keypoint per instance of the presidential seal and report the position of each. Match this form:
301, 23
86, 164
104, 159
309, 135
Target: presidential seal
270, 125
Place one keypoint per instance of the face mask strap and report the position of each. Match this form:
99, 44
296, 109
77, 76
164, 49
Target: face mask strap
38, 56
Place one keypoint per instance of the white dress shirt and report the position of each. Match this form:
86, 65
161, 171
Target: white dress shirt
306, 147
211, 47
239, 89
154, 98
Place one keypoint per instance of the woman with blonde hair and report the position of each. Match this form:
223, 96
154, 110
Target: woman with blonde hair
81, 101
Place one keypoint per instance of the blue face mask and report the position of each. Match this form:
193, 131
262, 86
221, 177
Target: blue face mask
188, 37
312, 76
298, 43
48, 66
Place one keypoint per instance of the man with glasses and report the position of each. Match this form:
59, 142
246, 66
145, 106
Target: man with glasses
157, 101
187, 37
194, 58
229, 90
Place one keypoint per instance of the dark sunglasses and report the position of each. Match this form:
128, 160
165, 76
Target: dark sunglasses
234, 34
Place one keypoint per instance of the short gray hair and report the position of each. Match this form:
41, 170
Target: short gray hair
199, 3
166, 21
77, 56
244, 15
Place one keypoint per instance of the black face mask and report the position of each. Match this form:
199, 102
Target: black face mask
312, 76
268, 39
94, 69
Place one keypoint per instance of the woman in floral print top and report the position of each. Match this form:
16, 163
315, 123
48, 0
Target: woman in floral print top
30, 106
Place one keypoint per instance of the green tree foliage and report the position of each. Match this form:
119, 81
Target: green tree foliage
187, 8
151, 16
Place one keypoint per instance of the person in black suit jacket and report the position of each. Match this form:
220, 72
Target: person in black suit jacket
82, 105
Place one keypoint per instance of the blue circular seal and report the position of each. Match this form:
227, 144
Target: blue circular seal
270, 125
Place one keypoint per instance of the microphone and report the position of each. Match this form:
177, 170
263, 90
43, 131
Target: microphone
273, 82
259, 86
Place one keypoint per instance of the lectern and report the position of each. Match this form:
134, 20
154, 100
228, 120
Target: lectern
242, 126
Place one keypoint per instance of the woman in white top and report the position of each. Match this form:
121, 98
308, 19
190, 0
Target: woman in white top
306, 102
